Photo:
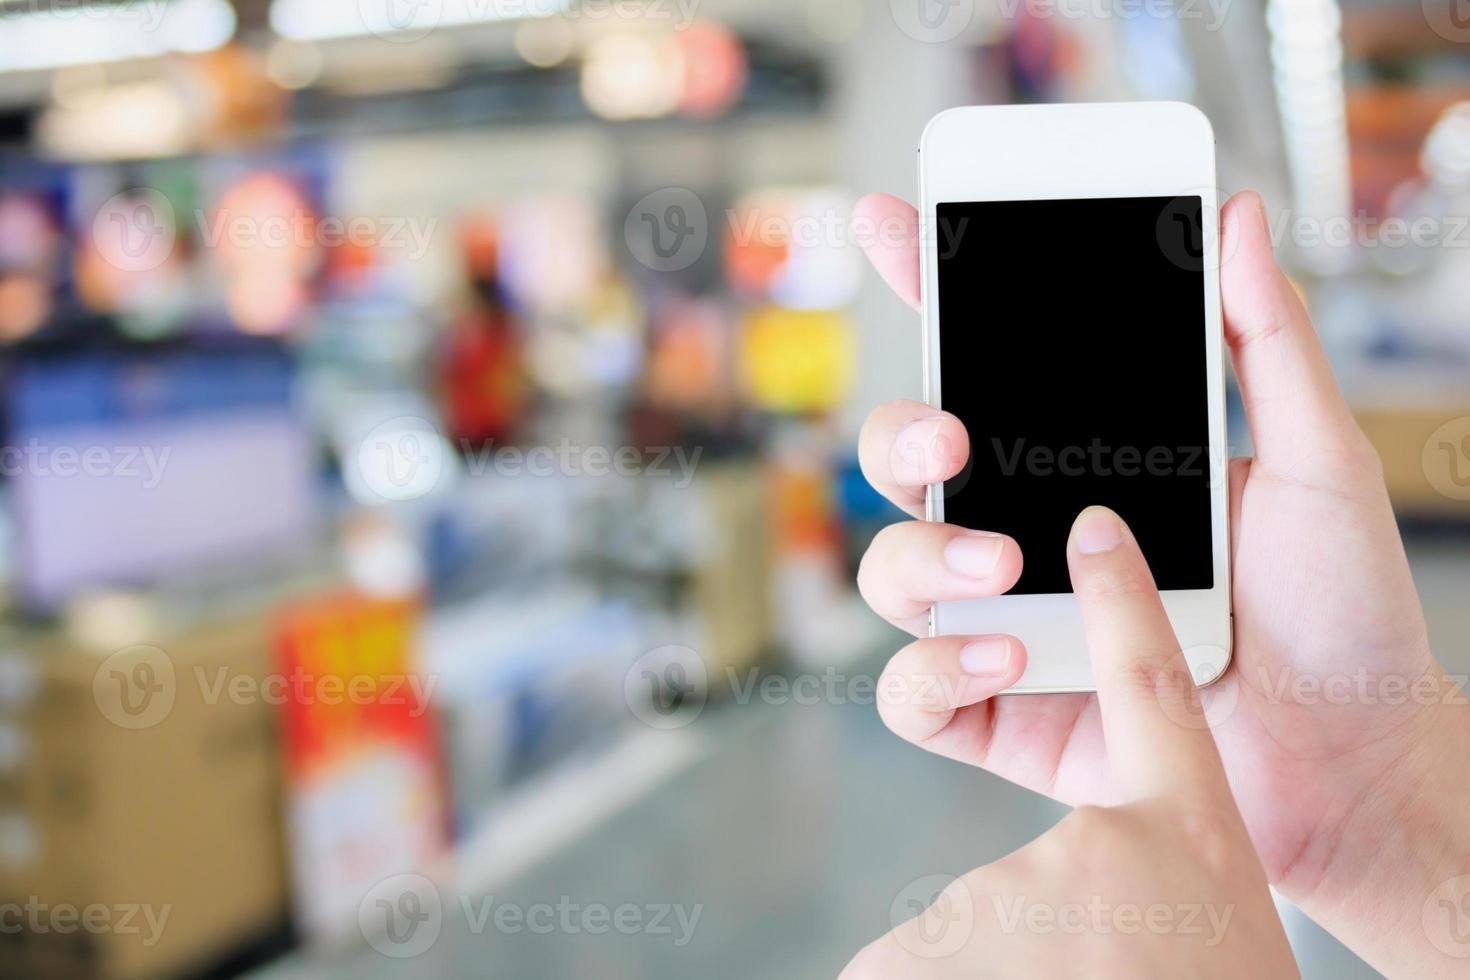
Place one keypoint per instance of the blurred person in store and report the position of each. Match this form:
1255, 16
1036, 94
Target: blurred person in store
485, 388
1352, 807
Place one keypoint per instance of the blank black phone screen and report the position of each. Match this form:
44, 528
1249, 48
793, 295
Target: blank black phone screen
1072, 346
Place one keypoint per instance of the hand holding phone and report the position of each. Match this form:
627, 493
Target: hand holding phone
1321, 593
1162, 883
1070, 294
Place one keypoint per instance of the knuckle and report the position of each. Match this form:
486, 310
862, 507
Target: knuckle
1118, 581
1087, 822
1210, 839
1160, 672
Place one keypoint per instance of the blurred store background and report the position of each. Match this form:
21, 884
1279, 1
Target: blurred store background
391, 388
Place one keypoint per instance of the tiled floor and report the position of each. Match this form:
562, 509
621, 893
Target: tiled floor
791, 837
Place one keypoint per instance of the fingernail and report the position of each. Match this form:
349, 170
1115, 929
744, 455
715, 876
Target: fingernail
987, 657
975, 554
918, 452
1098, 530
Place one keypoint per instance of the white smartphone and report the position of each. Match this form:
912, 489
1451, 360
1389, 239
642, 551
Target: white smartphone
1071, 303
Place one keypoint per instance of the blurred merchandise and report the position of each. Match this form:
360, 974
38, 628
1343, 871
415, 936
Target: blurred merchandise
137, 782
732, 586
816, 615
523, 686
136, 468
363, 779
1423, 440
689, 362
797, 360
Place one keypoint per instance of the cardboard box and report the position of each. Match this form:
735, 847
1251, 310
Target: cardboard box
139, 804
1426, 456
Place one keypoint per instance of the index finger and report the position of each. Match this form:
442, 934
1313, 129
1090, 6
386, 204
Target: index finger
1143, 680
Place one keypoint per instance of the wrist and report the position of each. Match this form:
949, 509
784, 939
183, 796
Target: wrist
1400, 871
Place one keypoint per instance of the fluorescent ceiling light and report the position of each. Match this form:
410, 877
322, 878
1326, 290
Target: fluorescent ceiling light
92, 32
1306, 55
397, 20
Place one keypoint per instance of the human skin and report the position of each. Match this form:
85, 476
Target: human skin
1341, 735
1165, 883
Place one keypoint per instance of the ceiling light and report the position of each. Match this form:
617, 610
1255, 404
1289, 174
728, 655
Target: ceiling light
96, 33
